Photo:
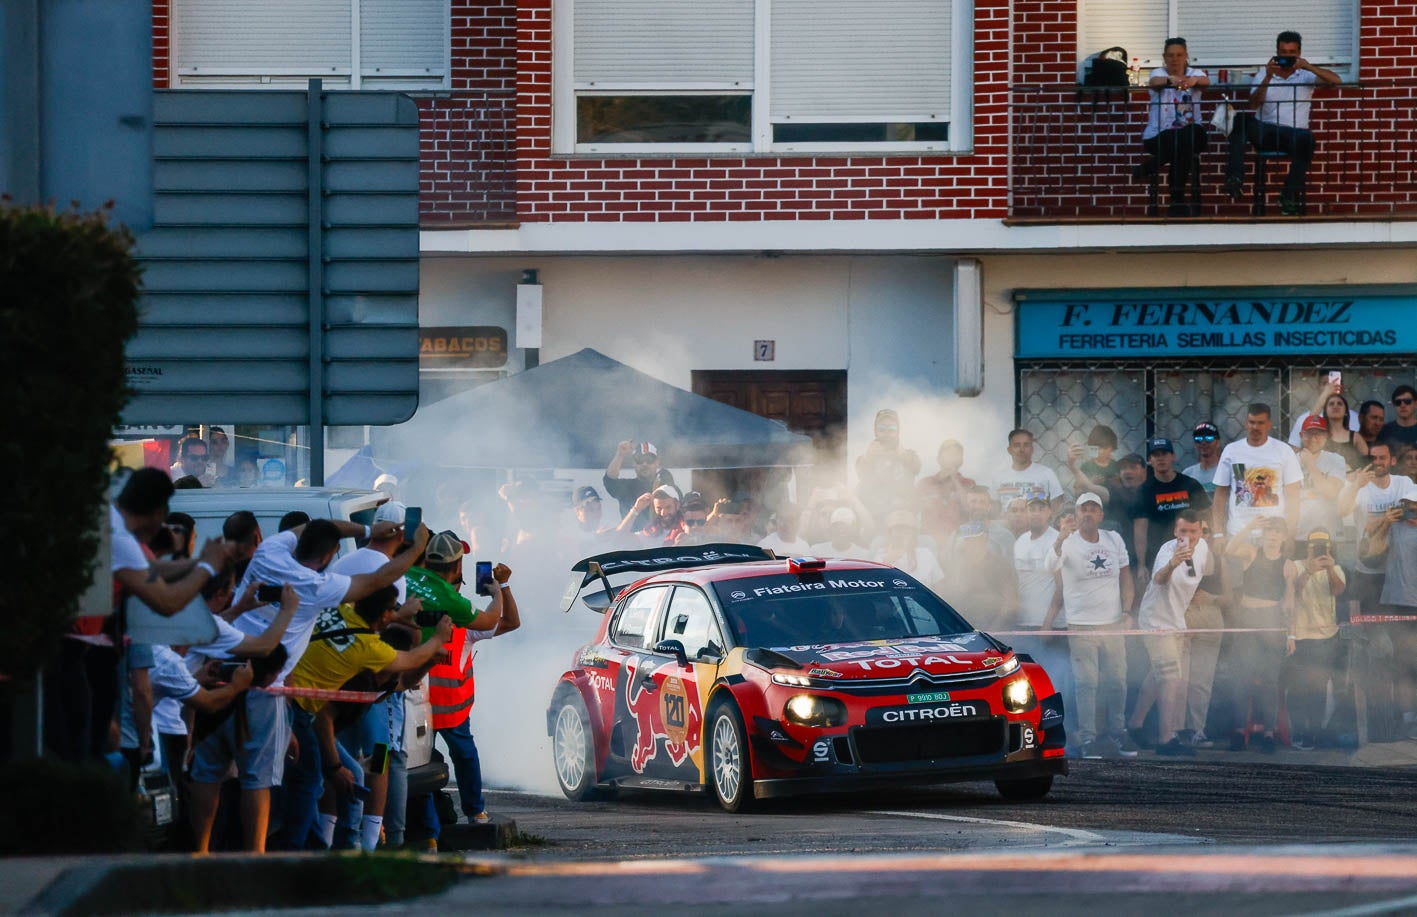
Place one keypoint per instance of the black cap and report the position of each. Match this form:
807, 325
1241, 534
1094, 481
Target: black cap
1205, 428
585, 495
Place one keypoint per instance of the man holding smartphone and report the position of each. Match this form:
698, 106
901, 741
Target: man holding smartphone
451, 688
1279, 119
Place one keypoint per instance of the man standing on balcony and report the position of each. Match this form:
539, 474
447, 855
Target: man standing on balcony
1279, 119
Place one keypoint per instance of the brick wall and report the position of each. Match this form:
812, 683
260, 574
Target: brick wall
833, 187
162, 42
1074, 152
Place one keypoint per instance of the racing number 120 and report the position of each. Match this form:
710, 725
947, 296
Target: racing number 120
674, 710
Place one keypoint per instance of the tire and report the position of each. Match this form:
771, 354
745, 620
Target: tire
1025, 790
730, 769
573, 748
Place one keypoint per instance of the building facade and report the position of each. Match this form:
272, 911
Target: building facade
820, 208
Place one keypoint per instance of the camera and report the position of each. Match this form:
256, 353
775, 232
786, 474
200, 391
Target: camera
429, 617
268, 595
1286, 62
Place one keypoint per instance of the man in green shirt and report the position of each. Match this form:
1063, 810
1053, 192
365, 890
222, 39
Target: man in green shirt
451, 687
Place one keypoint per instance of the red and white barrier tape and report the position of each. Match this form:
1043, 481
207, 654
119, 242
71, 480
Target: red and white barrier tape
1137, 632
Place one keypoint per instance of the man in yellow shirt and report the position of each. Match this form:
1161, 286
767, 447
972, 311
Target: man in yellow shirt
345, 642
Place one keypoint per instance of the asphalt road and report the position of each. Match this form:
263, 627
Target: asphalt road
1144, 802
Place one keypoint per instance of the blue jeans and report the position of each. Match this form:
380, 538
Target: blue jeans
305, 784
466, 766
423, 823
396, 805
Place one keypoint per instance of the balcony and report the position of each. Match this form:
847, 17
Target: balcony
468, 172
1074, 151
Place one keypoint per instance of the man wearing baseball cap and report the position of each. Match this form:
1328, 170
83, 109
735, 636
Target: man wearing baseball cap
1166, 493
1206, 436
666, 524
451, 688
1097, 590
645, 456
1325, 474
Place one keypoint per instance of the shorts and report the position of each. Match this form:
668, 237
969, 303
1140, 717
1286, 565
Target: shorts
372, 728
1168, 654
260, 759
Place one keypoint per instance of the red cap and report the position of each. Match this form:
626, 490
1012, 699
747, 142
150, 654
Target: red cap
1314, 422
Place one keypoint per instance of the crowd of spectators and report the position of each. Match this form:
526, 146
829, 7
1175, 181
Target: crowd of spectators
288, 726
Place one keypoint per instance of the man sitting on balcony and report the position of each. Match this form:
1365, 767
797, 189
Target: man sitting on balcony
1279, 119
1173, 133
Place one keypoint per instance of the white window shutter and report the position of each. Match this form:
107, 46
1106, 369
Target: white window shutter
1140, 26
662, 43
402, 40
274, 37
860, 60
1226, 33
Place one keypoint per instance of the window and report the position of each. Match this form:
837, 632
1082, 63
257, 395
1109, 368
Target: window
1220, 33
690, 620
636, 618
762, 75
351, 44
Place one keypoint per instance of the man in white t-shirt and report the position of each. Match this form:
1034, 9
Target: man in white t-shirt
1372, 492
1180, 565
785, 540
1257, 476
1025, 478
1279, 119
299, 557
1037, 584
1097, 588
135, 517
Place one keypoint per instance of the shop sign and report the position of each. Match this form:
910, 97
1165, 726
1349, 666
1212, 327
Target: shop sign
471, 347
1206, 323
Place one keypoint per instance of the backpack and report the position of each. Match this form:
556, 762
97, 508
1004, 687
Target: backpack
1108, 68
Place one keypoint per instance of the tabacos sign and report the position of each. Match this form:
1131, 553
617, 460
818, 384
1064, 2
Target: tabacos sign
1081, 323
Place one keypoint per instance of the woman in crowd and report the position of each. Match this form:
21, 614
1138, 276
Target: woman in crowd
1266, 605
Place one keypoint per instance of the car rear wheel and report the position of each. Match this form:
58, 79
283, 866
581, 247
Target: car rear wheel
1022, 790
573, 748
730, 766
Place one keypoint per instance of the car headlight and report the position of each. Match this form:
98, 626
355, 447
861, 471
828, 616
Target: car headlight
1008, 667
1018, 696
791, 680
814, 710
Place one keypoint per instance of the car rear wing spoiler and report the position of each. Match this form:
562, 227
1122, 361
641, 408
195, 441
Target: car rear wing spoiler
651, 560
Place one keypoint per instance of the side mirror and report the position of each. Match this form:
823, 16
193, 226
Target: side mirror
672, 648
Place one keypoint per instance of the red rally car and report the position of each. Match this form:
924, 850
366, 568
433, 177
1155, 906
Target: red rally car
729, 669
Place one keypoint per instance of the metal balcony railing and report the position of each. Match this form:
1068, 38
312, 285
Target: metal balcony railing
1074, 152
467, 169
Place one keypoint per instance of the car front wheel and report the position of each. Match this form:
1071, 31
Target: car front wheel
1023, 790
730, 766
573, 748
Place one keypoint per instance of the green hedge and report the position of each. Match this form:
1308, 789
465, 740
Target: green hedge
68, 307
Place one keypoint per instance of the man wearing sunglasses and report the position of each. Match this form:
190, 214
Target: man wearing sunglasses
645, 457
1207, 439
1404, 428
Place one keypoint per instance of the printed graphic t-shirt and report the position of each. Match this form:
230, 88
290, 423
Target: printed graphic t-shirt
1256, 476
1092, 573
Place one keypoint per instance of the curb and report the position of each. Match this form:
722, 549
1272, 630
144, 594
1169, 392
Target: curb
181, 883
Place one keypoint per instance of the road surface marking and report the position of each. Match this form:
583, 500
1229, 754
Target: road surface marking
1078, 837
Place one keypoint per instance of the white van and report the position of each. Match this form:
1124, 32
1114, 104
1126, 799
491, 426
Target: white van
209, 507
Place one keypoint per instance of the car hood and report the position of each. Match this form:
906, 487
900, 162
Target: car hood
952, 655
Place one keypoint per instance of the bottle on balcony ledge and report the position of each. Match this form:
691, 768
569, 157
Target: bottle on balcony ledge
1134, 74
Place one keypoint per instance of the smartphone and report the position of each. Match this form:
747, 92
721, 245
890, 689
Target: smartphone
1321, 549
379, 759
267, 594
1335, 378
1409, 511
1092, 453
731, 508
412, 519
484, 577
227, 670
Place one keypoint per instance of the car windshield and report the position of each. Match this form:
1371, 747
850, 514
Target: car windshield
845, 606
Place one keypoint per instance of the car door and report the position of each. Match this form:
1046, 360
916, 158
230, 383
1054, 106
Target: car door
636, 720
682, 689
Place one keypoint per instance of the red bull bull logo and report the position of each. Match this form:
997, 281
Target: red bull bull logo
668, 710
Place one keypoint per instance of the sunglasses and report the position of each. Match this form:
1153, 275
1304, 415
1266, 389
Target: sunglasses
1403, 401
1205, 439
646, 459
